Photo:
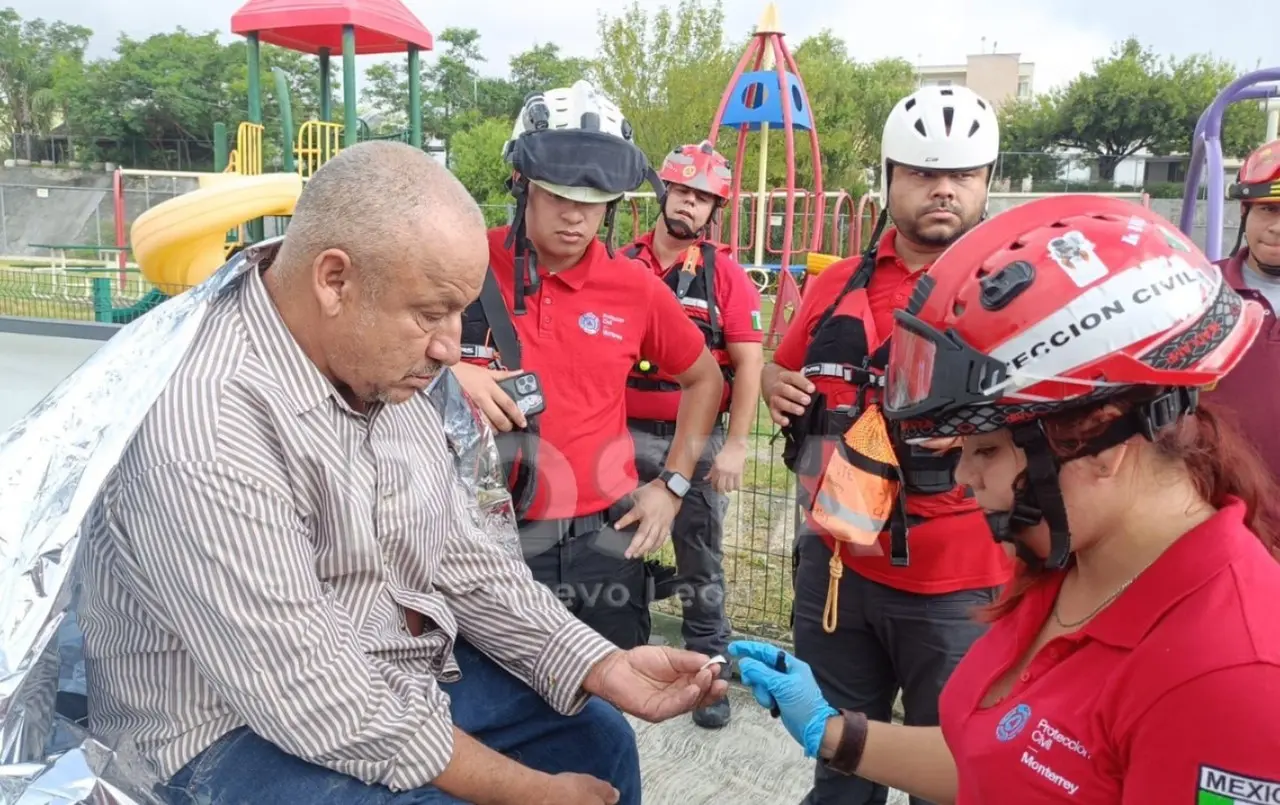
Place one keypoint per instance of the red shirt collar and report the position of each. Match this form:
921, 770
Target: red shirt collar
648, 256
1184, 567
575, 276
887, 254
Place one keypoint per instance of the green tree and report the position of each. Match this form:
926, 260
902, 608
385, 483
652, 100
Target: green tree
155, 103
476, 159
666, 70
1028, 132
850, 101
41, 63
1133, 101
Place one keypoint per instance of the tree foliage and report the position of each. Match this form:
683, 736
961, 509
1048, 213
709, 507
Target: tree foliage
1132, 101
154, 101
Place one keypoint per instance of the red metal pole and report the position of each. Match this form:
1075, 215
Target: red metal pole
789, 134
813, 148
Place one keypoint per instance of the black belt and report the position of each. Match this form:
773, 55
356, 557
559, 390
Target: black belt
568, 528
666, 428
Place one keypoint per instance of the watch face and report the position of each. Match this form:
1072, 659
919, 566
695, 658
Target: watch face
678, 484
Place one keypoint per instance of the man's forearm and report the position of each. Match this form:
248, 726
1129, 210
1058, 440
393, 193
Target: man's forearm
744, 400
700, 391
479, 774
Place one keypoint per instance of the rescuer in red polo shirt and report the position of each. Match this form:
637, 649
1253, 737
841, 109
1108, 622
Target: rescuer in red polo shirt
884, 619
718, 296
1253, 392
561, 306
1135, 659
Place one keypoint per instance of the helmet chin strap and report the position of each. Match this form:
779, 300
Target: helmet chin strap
1038, 495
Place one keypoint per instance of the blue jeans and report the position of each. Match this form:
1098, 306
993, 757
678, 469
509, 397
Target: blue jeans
488, 704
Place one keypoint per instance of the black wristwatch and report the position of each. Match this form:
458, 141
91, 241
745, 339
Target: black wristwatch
676, 483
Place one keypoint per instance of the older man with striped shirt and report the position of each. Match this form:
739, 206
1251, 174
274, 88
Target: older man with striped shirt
285, 600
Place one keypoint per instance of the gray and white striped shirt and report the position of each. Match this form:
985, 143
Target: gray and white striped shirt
250, 560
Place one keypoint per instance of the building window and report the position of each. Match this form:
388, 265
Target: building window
1024, 87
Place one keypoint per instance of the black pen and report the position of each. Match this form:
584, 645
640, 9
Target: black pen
779, 665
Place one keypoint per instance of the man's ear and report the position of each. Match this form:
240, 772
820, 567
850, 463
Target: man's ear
332, 280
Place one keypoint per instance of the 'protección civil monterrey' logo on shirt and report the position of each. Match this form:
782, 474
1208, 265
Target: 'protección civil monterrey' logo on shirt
1221, 787
590, 323
1013, 723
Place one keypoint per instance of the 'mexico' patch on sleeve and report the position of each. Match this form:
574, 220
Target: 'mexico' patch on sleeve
1222, 787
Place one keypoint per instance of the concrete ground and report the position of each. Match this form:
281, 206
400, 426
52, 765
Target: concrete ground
752, 761
31, 366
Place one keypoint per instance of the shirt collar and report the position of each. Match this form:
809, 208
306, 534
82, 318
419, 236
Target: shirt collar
284, 358
1184, 567
575, 276
886, 254
1233, 269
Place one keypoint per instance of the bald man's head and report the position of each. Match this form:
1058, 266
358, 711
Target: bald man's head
385, 250
371, 201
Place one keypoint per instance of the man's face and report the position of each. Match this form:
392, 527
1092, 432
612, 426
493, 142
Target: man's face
934, 208
385, 341
688, 210
560, 229
1262, 232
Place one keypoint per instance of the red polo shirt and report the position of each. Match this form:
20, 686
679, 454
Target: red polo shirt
1252, 390
737, 306
1171, 694
953, 549
585, 328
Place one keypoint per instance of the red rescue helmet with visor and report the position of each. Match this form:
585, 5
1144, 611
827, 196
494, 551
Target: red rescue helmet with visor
1056, 304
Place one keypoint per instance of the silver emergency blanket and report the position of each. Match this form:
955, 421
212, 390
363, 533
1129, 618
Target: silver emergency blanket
52, 464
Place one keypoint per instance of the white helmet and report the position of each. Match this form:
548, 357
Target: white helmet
939, 128
581, 107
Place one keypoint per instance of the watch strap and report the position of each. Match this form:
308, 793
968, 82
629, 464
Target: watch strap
848, 755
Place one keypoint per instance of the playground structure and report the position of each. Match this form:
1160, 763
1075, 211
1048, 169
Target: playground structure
180, 242
770, 94
1206, 150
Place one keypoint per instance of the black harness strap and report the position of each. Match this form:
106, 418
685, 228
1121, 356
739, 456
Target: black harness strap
499, 321
517, 449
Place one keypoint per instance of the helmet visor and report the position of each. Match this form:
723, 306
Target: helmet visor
574, 158
931, 373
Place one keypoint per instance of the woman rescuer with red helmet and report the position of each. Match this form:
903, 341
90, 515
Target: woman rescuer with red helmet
1136, 656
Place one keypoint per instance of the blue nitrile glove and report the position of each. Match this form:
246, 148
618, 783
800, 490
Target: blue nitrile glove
795, 691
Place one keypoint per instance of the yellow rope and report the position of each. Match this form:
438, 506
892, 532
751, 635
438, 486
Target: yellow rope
831, 610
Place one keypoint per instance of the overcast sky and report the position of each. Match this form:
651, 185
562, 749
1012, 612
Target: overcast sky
1061, 37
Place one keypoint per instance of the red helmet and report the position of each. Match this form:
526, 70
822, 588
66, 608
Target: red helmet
700, 167
1056, 303
1259, 177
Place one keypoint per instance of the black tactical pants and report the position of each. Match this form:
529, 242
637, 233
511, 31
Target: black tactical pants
886, 640
697, 536
582, 561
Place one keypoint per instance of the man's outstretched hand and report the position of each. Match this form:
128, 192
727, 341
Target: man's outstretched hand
656, 683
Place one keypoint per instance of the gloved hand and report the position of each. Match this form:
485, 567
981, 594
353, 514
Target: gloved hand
795, 691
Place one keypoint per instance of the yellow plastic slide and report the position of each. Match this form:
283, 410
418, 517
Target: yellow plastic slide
180, 243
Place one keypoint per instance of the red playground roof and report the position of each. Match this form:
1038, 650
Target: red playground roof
382, 26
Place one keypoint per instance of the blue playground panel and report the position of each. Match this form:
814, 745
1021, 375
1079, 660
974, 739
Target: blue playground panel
767, 109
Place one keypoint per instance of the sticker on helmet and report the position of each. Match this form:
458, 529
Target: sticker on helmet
1074, 253
688, 171
1174, 241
